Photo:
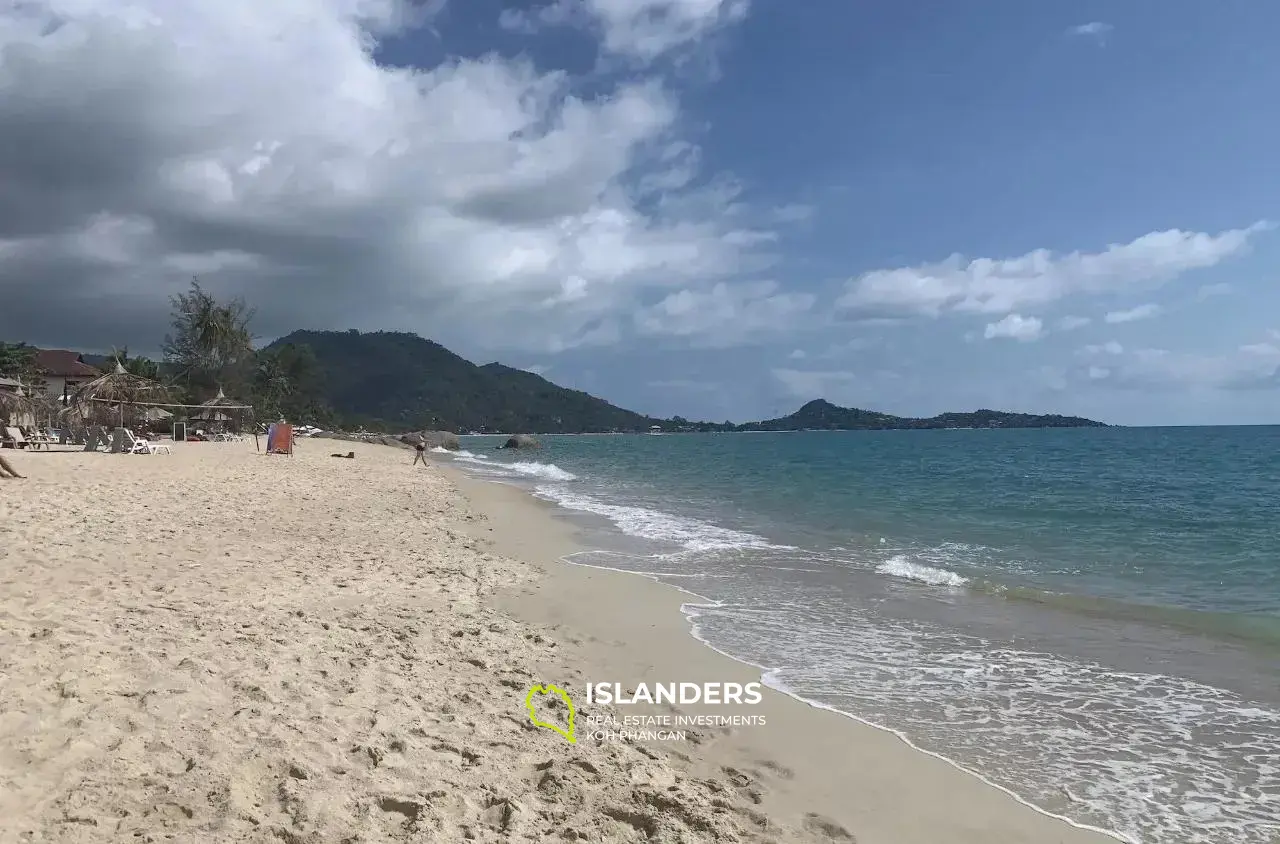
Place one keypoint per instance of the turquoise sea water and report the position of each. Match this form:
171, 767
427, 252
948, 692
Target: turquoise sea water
1090, 618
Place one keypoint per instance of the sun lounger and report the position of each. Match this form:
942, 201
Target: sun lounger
120, 442
13, 438
139, 445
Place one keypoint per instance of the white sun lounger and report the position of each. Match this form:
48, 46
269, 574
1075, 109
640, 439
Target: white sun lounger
144, 446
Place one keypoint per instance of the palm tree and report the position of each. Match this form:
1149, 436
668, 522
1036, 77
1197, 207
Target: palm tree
271, 383
210, 340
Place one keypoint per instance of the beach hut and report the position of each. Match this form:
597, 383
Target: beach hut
117, 387
220, 411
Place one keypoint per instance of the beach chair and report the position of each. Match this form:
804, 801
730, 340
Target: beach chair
13, 438
139, 445
119, 441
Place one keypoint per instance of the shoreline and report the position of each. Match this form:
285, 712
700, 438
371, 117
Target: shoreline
223, 646
805, 788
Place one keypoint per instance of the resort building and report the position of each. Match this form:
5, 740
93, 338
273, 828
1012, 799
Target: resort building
63, 372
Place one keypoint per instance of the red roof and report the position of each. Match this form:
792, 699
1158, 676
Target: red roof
61, 363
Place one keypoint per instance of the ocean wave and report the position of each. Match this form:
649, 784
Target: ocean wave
547, 471
901, 567
461, 453
1117, 756
691, 534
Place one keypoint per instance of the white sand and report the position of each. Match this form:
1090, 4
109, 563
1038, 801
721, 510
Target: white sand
219, 646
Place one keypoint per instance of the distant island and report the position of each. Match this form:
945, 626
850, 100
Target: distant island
396, 381
822, 415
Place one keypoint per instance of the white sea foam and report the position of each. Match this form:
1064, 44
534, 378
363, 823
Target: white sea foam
547, 471
1107, 748
902, 567
461, 453
691, 534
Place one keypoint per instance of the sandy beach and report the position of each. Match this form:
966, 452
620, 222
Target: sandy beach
221, 646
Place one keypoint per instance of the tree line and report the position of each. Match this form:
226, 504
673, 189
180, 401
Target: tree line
210, 347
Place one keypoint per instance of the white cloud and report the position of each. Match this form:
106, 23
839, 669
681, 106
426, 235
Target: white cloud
811, 384
793, 213
260, 145
797, 354
1209, 291
1132, 314
725, 314
604, 332
1111, 347
684, 384
642, 30
1005, 285
1071, 323
1094, 29
1250, 366
1015, 327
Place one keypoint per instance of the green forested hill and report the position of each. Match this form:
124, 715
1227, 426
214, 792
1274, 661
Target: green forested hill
400, 380
404, 381
824, 416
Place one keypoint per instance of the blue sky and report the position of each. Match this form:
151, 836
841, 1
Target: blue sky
716, 208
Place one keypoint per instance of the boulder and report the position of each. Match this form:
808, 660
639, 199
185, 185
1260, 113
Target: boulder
376, 439
522, 441
433, 439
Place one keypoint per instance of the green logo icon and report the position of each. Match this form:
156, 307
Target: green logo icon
548, 690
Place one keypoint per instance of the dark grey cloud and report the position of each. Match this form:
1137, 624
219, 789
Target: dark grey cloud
258, 146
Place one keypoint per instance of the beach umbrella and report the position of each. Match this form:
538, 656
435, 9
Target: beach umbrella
118, 387
219, 409
18, 402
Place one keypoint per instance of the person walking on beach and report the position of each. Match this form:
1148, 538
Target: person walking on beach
421, 448
7, 470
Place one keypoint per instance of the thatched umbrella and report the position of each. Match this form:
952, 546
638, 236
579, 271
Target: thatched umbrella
118, 387
218, 409
19, 402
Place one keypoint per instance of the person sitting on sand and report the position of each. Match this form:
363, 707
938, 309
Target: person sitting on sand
7, 470
421, 448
